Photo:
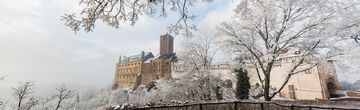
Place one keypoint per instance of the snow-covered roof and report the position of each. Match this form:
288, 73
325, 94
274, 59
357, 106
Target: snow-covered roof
137, 57
171, 57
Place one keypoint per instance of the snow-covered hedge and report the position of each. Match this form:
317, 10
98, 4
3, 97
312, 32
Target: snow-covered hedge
161, 92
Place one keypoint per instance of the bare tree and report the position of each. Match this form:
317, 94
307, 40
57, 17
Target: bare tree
22, 92
31, 103
44, 103
197, 57
199, 51
263, 30
62, 94
117, 12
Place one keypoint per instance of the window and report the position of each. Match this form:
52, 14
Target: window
291, 91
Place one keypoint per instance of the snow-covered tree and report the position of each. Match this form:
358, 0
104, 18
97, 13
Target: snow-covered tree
31, 103
189, 89
198, 52
196, 58
44, 103
24, 96
263, 30
88, 93
164, 92
62, 94
115, 13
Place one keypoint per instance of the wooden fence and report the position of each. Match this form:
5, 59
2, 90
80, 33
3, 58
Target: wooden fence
241, 106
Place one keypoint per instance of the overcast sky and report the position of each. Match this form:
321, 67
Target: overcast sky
36, 46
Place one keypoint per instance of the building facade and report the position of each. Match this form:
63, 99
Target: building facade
319, 82
143, 68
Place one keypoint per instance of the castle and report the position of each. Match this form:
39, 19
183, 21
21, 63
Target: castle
143, 68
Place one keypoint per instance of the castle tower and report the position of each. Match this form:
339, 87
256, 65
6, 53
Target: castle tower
166, 44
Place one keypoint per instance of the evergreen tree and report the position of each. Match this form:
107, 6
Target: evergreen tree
218, 93
242, 84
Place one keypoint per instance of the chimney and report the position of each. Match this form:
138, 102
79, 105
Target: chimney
120, 59
142, 55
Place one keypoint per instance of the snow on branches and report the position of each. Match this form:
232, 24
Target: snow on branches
264, 30
115, 13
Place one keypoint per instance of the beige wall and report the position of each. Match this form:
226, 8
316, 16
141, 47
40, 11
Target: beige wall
126, 73
162, 68
308, 85
148, 74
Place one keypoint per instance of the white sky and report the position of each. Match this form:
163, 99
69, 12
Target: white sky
36, 46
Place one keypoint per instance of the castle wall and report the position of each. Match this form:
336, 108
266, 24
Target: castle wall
162, 68
126, 73
307, 85
148, 74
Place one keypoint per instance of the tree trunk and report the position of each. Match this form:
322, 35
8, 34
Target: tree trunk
58, 105
19, 104
267, 87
